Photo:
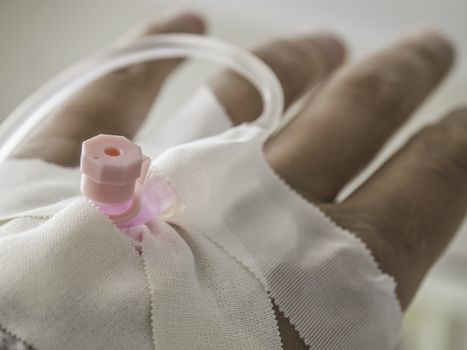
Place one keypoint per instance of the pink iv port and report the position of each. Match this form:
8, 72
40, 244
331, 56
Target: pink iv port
114, 173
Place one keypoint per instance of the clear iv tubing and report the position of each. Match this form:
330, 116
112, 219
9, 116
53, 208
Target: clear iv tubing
34, 109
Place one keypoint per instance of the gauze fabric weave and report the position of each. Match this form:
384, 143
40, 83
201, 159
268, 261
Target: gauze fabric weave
206, 276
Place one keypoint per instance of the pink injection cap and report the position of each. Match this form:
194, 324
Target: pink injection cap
111, 166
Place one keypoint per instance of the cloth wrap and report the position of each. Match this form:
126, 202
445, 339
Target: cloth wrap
206, 276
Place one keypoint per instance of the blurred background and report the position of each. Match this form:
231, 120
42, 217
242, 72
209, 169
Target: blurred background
40, 38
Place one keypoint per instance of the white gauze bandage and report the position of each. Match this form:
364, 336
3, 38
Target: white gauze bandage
206, 275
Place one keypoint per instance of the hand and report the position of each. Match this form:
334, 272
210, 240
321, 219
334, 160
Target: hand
406, 213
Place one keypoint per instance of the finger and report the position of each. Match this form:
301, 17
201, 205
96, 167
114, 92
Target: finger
298, 63
115, 104
355, 112
416, 202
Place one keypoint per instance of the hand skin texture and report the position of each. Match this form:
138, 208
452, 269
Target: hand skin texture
406, 213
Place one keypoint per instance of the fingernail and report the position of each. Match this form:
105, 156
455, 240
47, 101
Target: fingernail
436, 40
333, 47
186, 15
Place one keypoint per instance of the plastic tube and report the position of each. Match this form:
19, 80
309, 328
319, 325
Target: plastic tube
18, 125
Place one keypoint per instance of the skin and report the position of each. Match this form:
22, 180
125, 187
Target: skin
406, 213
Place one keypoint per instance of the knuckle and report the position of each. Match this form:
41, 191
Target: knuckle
361, 219
375, 87
374, 224
392, 239
388, 231
393, 221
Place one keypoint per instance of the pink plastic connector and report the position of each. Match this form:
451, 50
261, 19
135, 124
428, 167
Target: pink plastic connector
113, 176
111, 166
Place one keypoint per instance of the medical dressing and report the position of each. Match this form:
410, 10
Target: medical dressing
206, 276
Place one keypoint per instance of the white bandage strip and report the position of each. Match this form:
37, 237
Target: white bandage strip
322, 277
201, 297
